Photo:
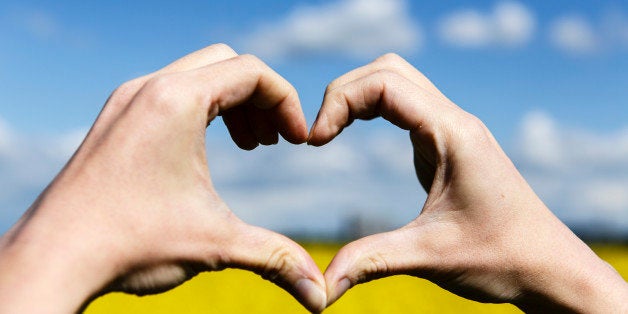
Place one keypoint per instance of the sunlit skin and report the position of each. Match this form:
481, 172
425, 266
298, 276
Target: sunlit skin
483, 233
235, 291
135, 210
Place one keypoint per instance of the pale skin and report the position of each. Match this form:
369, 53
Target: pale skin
135, 210
482, 233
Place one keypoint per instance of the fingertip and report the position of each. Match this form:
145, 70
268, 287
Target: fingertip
282, 261
290, 120
372, 257
312, 133
321, 133
338, 274
313, 141
298, 137
312, 295
295, 132
273, 140
247, 145
336, 291
267, 136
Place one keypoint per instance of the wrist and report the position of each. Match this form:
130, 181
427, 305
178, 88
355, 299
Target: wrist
48, 267
579, 283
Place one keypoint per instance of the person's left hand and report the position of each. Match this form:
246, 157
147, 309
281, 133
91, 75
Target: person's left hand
482, 232
135, 209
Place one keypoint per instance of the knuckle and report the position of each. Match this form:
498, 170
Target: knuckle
333, 85
161, 88
474, 125
390, 58
373, 266
386, 75
128, 89
338, 95
378, 264
123, 94
384, 79
223, 49
163, 95
279, 262
251, 61
367, 264
468, 129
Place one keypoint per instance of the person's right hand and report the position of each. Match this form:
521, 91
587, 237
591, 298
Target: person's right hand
483, 233
135, 209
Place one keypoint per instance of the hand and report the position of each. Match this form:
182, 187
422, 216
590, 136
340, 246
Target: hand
483, 233
134, 209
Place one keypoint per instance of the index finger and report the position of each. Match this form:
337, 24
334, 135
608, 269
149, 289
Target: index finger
389, 62
383, 93
124, 93
218, 87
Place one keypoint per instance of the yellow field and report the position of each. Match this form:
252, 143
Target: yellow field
236, 291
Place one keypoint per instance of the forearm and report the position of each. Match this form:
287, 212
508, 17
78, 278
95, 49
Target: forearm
574, 279
44, 269
593, 291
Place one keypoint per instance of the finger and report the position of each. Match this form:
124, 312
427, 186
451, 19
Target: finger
239, 128
234, 82
200, 58
279, 260
383, 93
390, 62
203, 57
262, 125
373, 257
121, 97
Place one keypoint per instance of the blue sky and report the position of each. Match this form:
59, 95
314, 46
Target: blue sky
549, 78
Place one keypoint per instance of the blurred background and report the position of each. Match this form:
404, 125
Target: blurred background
549, 78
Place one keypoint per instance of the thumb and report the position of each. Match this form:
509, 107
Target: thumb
376, 256
280, 260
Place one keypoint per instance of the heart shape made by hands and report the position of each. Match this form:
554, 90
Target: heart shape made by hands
139, 188
463, 218
446, 142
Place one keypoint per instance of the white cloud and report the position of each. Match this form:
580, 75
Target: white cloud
40, 24
27, 164
581, 175
355, 28
577, 35
466, 28
574, 34
547, 145
609, 196
514, 23
510, 24
540, 140
287, 187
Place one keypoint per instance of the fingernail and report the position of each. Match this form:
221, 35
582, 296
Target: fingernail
314, 297
339, 290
